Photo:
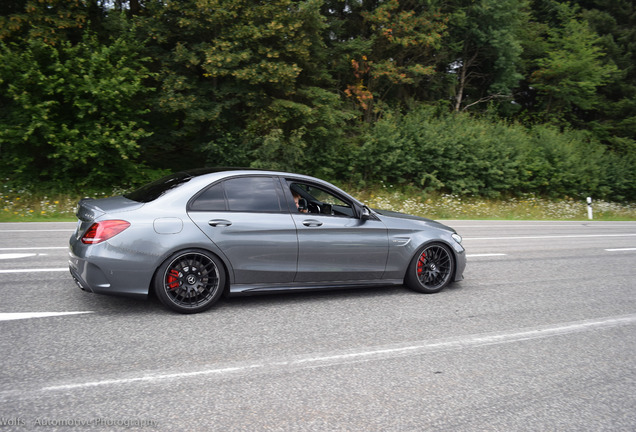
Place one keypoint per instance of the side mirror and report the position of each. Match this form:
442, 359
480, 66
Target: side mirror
365, 214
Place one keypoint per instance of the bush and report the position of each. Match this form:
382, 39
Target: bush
69, 114
463, 155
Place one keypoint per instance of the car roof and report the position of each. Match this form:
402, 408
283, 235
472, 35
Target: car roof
193, 180
196, 172
221, 172
202, 175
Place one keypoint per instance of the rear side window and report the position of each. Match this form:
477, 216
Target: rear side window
253, 194
243, 194
212, 199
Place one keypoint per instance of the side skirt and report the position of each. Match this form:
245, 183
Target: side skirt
247, 289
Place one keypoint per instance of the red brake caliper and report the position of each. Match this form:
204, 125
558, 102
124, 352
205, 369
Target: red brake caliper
173, 279
420, 264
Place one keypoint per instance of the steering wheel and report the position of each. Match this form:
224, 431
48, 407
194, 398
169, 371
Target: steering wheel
313, 208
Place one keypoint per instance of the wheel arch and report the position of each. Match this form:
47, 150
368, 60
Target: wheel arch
427, 244
229, 274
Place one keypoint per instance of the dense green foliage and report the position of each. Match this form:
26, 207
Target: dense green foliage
466, 156
470, 97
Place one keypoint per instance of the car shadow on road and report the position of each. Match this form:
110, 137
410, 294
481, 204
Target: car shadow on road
312, 296
152, 305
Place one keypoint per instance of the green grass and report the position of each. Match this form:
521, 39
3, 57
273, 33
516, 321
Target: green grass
445, 206
23, 206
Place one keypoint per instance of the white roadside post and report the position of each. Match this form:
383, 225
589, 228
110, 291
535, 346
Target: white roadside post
589, 208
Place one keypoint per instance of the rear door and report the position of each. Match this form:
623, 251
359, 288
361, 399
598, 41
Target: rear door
248, 219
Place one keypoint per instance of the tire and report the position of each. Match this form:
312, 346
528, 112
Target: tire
431, 269
190, 281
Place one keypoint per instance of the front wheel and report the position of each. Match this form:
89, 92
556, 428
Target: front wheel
431, 269
190, 281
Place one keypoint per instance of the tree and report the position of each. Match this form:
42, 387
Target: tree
70, 114
484, 49
614, 119
573, 69
405, 37
51, 21
234, 72
383, 51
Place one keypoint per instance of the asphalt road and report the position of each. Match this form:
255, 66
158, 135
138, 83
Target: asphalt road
540, 336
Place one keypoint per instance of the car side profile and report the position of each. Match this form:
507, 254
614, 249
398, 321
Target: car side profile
195, 235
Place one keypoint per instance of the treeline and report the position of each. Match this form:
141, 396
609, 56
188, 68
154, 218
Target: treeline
482, 97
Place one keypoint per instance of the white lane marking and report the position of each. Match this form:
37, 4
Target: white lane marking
16, 255
34, 248
35, 270
9, 316
485, 255
539, 224
548, 237
621, 249
37, 230
374, 353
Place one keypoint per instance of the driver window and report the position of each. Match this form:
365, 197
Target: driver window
321, 201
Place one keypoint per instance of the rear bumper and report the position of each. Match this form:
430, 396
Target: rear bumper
81, 284
123, 277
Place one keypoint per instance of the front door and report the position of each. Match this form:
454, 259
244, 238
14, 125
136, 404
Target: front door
334, 244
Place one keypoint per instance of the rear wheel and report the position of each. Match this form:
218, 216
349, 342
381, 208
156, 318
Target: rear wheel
431, 269
190, 281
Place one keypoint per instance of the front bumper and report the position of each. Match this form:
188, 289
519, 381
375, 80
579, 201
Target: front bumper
460, 259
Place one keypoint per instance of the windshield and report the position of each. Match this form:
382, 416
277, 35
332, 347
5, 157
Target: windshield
154, 190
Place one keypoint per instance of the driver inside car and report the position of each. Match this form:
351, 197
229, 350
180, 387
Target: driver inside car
301, 203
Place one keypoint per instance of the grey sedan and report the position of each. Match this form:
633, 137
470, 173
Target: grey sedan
194, 235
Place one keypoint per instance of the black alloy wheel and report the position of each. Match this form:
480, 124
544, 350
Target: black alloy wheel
190, 281
431, 269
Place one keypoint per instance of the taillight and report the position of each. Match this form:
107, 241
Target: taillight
102, 231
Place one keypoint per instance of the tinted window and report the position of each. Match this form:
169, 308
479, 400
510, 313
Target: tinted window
253, 194
212, 199
321, 195
322, 201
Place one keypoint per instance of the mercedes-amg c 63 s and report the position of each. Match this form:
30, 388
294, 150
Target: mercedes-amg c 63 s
194, 235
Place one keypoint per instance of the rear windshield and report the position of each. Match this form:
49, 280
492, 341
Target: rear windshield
154, 190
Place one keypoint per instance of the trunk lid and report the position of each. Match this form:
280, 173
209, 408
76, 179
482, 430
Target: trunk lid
90, 209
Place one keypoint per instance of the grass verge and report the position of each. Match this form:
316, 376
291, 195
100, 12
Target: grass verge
22, 206
527, 208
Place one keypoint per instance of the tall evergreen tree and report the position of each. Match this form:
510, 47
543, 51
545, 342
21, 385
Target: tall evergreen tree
484, 50
51, 21
236, 75
615, 118
569, 75
384, 51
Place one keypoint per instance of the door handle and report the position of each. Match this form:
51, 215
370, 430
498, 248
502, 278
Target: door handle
219, 222
312, 223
